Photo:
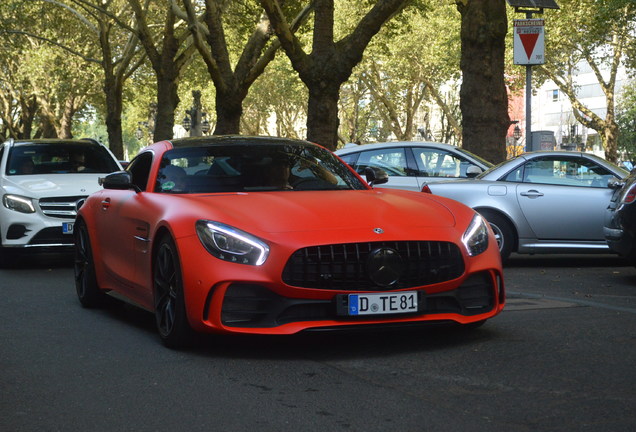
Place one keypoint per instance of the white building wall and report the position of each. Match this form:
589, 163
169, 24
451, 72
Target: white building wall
552, 110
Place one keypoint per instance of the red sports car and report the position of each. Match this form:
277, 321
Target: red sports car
276, 236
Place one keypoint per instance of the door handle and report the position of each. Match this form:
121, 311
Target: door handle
532, 194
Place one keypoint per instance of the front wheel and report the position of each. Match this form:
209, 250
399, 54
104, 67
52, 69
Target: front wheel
170, 312
88, 292
504, 233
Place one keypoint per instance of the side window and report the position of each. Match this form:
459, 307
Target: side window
139, 167
391, 160
350, 159
566, 171
440, 163
515, 175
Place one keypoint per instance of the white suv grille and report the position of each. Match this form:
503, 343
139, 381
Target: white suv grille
62, 207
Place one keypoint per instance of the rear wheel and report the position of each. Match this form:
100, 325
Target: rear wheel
170, 312
88, 292
504, 233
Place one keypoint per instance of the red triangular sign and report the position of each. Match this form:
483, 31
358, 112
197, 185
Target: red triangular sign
529, 40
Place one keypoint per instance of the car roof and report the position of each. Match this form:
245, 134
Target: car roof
235, 140
358, 147
509, 164
44, 141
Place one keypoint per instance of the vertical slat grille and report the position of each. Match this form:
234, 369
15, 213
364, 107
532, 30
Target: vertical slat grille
344, 266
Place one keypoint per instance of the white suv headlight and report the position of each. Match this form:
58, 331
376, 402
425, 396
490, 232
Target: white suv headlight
231, 244
476, 236
18, 203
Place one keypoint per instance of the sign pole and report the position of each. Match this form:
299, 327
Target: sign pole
528, 100
529, 40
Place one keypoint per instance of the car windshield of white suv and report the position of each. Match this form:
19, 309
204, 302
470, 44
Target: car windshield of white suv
63, 158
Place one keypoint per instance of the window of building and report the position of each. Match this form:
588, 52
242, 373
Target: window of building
555, 95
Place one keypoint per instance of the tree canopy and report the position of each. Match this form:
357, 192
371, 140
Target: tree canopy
332, 71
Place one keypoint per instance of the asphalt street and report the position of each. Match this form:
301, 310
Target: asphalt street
559, 358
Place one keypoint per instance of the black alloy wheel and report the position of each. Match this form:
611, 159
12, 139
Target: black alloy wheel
170, 313
88, 292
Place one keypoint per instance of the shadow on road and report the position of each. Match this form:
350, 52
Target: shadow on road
28, 259
566, 260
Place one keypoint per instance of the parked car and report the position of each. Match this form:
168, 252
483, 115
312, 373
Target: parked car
541, 202
620, 218
42, 183
278, 236
410, 165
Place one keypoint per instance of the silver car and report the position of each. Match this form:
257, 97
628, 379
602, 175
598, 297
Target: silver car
411, 165
541, 202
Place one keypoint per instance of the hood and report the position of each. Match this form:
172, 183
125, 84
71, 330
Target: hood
53, 185
279, 212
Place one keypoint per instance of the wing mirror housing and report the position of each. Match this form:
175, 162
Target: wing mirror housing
120, 180
375, 176
473, 171
615, 183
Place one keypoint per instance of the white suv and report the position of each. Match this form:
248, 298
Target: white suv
42, 184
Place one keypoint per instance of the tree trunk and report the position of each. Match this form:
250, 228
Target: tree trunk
483, 96
66, 122
114, 104
28, 108
610, 141
167, 102
322, 114
330, 63
229, 109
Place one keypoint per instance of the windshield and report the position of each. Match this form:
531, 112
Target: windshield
253, 167
59, 158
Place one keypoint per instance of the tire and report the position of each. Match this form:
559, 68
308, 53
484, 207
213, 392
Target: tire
170, 312
504, 233
88, 292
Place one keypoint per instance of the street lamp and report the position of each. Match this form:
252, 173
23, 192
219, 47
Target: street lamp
516, 134
195, 120
205, 124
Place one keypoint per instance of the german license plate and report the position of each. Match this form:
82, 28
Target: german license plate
67, 228
383, 303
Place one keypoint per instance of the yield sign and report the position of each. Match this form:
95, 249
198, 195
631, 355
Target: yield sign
529, 41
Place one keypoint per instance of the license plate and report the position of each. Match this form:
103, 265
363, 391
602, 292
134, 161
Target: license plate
382, 303
67, 228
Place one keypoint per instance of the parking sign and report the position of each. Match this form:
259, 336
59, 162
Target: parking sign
529, 41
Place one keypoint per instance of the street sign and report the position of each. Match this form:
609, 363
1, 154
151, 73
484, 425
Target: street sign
529, 41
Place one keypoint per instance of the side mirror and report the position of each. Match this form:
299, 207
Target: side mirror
473, 171
121, 180
615, 183
375, 176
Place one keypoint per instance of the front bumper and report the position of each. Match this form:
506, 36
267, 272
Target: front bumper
22, 230
618, 239
254, 306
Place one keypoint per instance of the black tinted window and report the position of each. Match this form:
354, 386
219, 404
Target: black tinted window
140, 170
59, 158
237, 167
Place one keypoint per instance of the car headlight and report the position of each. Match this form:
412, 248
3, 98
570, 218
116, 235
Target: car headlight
476, 236
18, 203
231, 244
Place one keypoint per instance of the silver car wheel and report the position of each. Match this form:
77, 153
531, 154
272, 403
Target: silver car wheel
498, 236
